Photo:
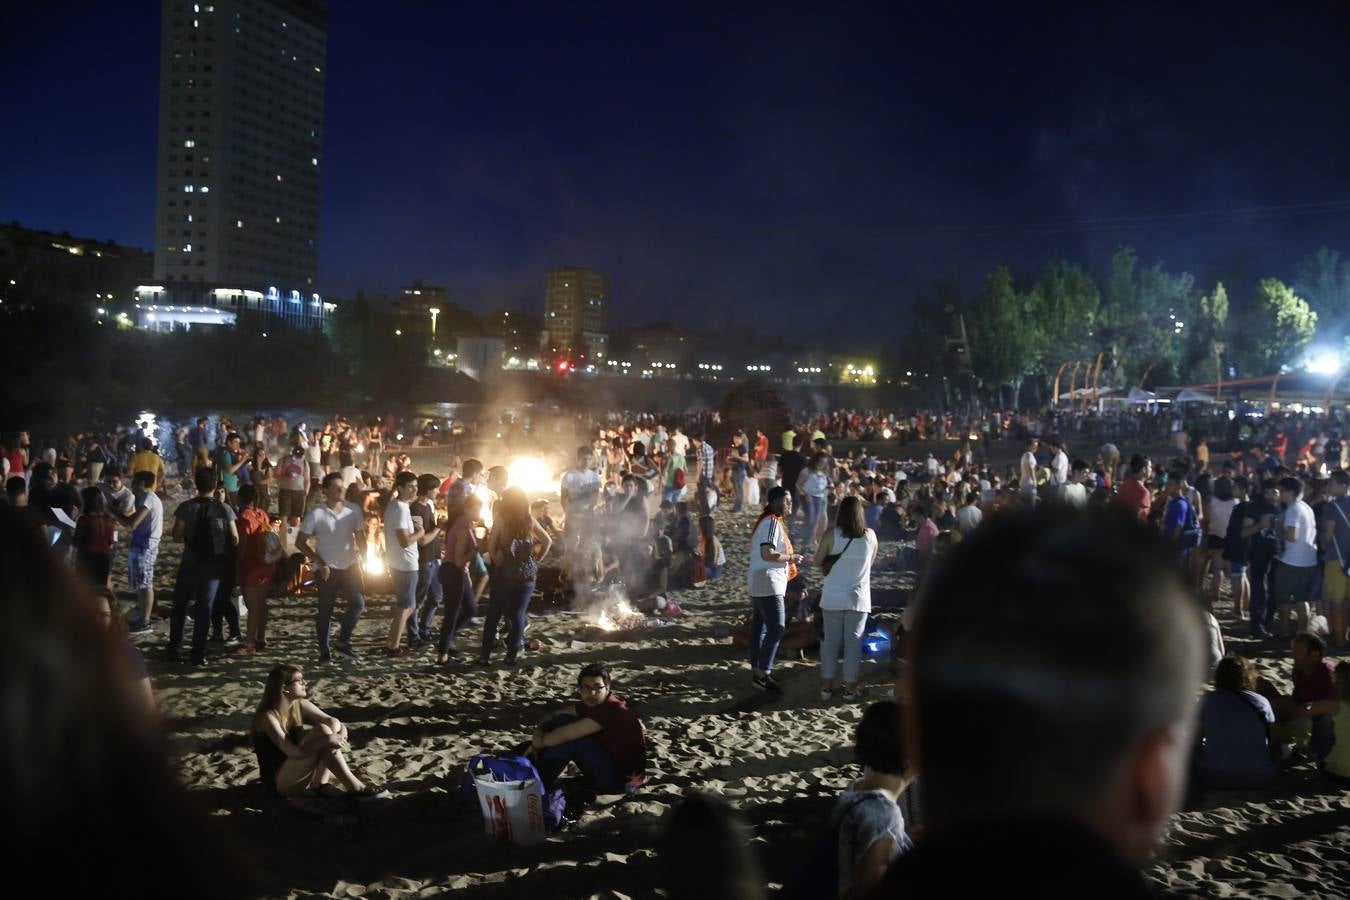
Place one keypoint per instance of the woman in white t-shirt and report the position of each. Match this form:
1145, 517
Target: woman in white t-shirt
812, 486
1218, 513
846, 595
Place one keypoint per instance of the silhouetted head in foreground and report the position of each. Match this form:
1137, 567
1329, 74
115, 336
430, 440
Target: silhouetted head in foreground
706, 854
1054, 663
84, 771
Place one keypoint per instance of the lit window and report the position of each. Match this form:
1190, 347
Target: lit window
189, 144
187, 188
278, 178
205, 189
314, 160
238, 223
187, 248
278, 220
188, 217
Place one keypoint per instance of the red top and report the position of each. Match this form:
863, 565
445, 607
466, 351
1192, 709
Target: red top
94, 534
620, 733
1320, 685
1134, 496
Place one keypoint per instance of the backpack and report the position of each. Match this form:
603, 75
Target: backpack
272, 551
520, 565
678, 480
209, 539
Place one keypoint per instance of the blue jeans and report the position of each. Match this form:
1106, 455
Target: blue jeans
714, 572
348, 582
596, 765
812, 507
845, 627
196, 586
429, 596
511, 600
460, 605
1258, 574
768, 619
737, 488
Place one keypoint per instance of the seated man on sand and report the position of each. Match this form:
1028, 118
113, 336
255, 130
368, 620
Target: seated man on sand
1313, 683
600, 734
1054, 661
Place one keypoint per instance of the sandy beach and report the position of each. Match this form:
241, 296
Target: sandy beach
781, 760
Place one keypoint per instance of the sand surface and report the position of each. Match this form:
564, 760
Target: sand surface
782, 761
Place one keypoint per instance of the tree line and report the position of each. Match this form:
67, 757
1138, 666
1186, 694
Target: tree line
1148, 326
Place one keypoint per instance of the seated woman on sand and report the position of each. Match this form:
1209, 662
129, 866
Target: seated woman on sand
291, 759
1234, 747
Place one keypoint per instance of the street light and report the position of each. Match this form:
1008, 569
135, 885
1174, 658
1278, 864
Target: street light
435, 311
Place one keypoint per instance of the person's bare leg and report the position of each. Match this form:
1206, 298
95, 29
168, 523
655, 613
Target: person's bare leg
147, 598
396, 626
330, 759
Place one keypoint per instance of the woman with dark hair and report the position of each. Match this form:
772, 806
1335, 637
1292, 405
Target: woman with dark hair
291, 759
714, 558
461, 547
260, 476
1233, 745
255, 569
845, 554
514, 547
94, 535
1218, 513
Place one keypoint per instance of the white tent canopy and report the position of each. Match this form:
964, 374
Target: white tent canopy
1139, 395
1190, 396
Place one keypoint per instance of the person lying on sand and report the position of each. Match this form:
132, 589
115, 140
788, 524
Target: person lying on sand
291, 759
600, 734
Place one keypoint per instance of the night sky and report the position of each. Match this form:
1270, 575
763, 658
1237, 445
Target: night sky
763, 162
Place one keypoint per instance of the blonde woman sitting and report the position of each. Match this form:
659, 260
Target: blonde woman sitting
294, 760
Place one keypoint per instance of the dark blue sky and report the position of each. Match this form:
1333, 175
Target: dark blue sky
762, 160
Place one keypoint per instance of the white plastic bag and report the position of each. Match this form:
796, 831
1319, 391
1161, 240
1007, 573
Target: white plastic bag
512, 810
752, 492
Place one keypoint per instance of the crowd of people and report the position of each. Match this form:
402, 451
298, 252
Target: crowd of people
1144, 546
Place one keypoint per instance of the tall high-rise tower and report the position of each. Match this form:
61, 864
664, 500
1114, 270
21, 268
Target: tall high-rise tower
574, 313
240, 154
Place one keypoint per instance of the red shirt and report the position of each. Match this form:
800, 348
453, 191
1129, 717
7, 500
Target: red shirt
94, 534
620, 733
762, 448
1134, 496
1320, 685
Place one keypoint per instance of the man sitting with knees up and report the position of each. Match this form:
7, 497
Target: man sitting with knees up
1053, 667
601, 735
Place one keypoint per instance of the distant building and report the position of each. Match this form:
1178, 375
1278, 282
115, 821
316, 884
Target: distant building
48, 267
422, 305
240, 152
479, 357
575, 305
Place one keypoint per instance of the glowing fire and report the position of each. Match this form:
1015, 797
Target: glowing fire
482, 492
617, 615
374, 564
532, 475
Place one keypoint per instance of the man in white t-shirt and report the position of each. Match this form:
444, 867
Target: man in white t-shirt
1075, 491
402, 536
772, 563
333, 537
1059, 463
147, 526
969, 516
1297, 565
681, 440
580, 487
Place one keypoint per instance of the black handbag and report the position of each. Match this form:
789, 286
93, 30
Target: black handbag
828, 562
